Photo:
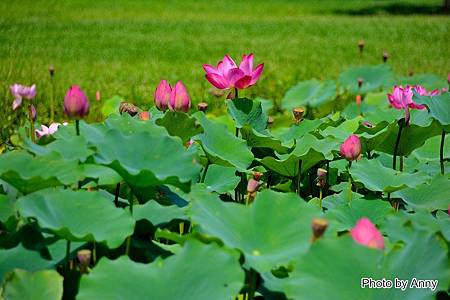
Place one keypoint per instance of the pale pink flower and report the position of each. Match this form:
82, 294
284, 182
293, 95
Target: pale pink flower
48, 130
365, 233
20, 91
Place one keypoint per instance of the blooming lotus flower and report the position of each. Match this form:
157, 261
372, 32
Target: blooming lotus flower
20, 91
162, 95
423, 91
179, 98
401, 98
76, 104
365, 233
228, 75
48, 130
351, 148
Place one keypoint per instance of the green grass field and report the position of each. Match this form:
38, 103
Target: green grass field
125, 47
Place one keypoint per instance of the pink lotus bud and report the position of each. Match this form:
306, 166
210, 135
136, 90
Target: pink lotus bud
351, 148
365, 233
76, 104
252, 186
162, 95
358, 99
98, 96
33, 112
448, 78
179, 98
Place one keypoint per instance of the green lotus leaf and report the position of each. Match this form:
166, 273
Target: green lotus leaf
7, 208
221, 179
257, 139
309, 149
40, 285
128, 125
386, 179
439, 106
158, 214
430, 196
429, 81
344, 130
78, 215
111, 106
28, 173
190, 274
179, 124
247, 112
430, 150
312, 93
374, 78
144, 159
299, 130
222, 147
270, 232
104, 175
21, 258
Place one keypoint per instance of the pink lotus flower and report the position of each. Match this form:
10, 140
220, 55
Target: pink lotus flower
162, 95
179, 98
76, 104
423, 91
351, 148
20, 91
365, 233
228, 75
401, 98
48, 130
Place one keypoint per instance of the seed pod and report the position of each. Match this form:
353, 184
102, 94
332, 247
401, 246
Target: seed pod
51, 71
361, 46
84, 259
298, 114
385, 56
321, 173
360, 82
318, 227
128, 108
202, 106
257, 176
270, 120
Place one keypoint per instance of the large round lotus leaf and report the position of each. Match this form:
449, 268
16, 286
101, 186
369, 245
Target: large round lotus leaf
144, 159
104, 175
439, 106
111, 105
312, 93
299, 130
221, 179
344, 129
41, 285
179, 124
158, 214
412, 137
21, 258
430, 150
348, 214
430, 196
374, 78
197, 272
247, 112
429, 81
6, 208
257, 139
385, 179
78, 215
270, 232
334, 265
28, 173
222, 147
127, 124
309, 149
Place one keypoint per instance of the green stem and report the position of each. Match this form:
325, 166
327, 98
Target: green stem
52, 101
441, 152
397, 142
94, 253
247, 199
128, 246
320, 198
349, 182
204, 171
77, 126
236, 93
328, 177
67, 256
252, 284
30, 117
299, 177
116, 195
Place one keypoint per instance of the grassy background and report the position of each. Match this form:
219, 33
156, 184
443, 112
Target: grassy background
125, 47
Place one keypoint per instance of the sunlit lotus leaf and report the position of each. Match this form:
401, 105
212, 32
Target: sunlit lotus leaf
221, 179
374, 78
312, 93
247, 112
158, 214
179, 124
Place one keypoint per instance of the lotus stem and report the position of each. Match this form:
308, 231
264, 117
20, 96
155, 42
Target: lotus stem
94, 253
181, 227
77, 127
320, 197
30, 117
116, 195
247, 199
236, 93
397, 142
401, 163
67, 256
441, 152
204, 171
128, 246
252, 284
328, 175
52, 100
299, 176
349, 182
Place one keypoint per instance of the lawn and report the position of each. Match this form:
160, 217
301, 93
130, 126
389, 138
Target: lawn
126, 47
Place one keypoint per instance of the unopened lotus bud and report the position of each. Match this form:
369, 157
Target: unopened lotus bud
257, 176
318, 227
144, 116
128, 108
51, 71
270, 120
252, 186
179, 98
162, 95
33, 112
351, 148
98, 96
361, 46
385, 56
202, 106
298, 114
84, 259
360, 82
76, 104
321, 173
358, 99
